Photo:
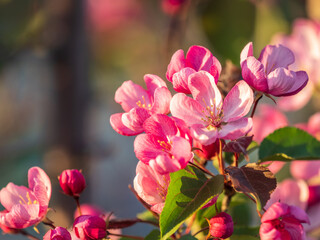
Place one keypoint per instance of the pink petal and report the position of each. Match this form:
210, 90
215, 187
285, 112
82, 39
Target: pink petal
181, 151
164, 165
119, 127
215, 69
275, 211
158, 207
40, 183
253, 73
199, 58
204, 135
161, 126
153, 82
305, 169
241, 96
147, 147
275, 56
299, 214
129, 94
11, 195
268, 231
246, 52
186, 108
180, 80
135, 118
176, 64
235, 129
162, 99
275, 166
21, 216
205, 91
283, 82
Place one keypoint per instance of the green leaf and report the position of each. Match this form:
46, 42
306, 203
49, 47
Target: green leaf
189, 190
289, 143
153, 235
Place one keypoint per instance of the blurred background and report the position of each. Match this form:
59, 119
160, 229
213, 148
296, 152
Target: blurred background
61, 62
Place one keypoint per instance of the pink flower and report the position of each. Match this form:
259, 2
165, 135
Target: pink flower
57, 233
88, 227
89, 209
172, 7
221, 226
305, 44
139, 104
198, 59
151, 186
72, 182
269, 73
162, 147
208, 115
282, 221
24, 206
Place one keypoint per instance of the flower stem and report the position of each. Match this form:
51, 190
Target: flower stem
201, 230
202, 169
256, 100
78, 205
220, 159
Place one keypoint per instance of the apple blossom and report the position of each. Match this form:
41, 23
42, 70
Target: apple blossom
208, 115
139, 104
151, 186
57, 233
198, 58
24, 206
72, 182
282, 221
162, 147
269, 73
88, 227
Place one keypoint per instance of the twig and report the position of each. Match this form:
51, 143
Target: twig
202, 169
125, 236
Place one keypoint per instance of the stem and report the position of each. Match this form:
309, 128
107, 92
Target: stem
146, 205
256, 100
221, 162
229, 193
236, 157
28, 235
201, 230
202, 169
78, 205
125, 236
49, 224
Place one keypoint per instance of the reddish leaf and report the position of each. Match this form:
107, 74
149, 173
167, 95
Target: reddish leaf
239, 146
255, 180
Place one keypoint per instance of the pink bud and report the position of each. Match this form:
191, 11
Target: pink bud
314, 195
221, 226
88, 227
72, 182
57, 233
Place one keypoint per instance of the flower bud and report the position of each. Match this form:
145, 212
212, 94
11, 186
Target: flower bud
221, 226
88, 227
72, 182
57, 233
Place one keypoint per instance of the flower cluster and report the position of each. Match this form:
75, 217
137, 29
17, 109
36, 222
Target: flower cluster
197, 121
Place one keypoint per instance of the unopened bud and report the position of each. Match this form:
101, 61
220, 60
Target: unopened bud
89, 227
57, 233
72, 182
221, 226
